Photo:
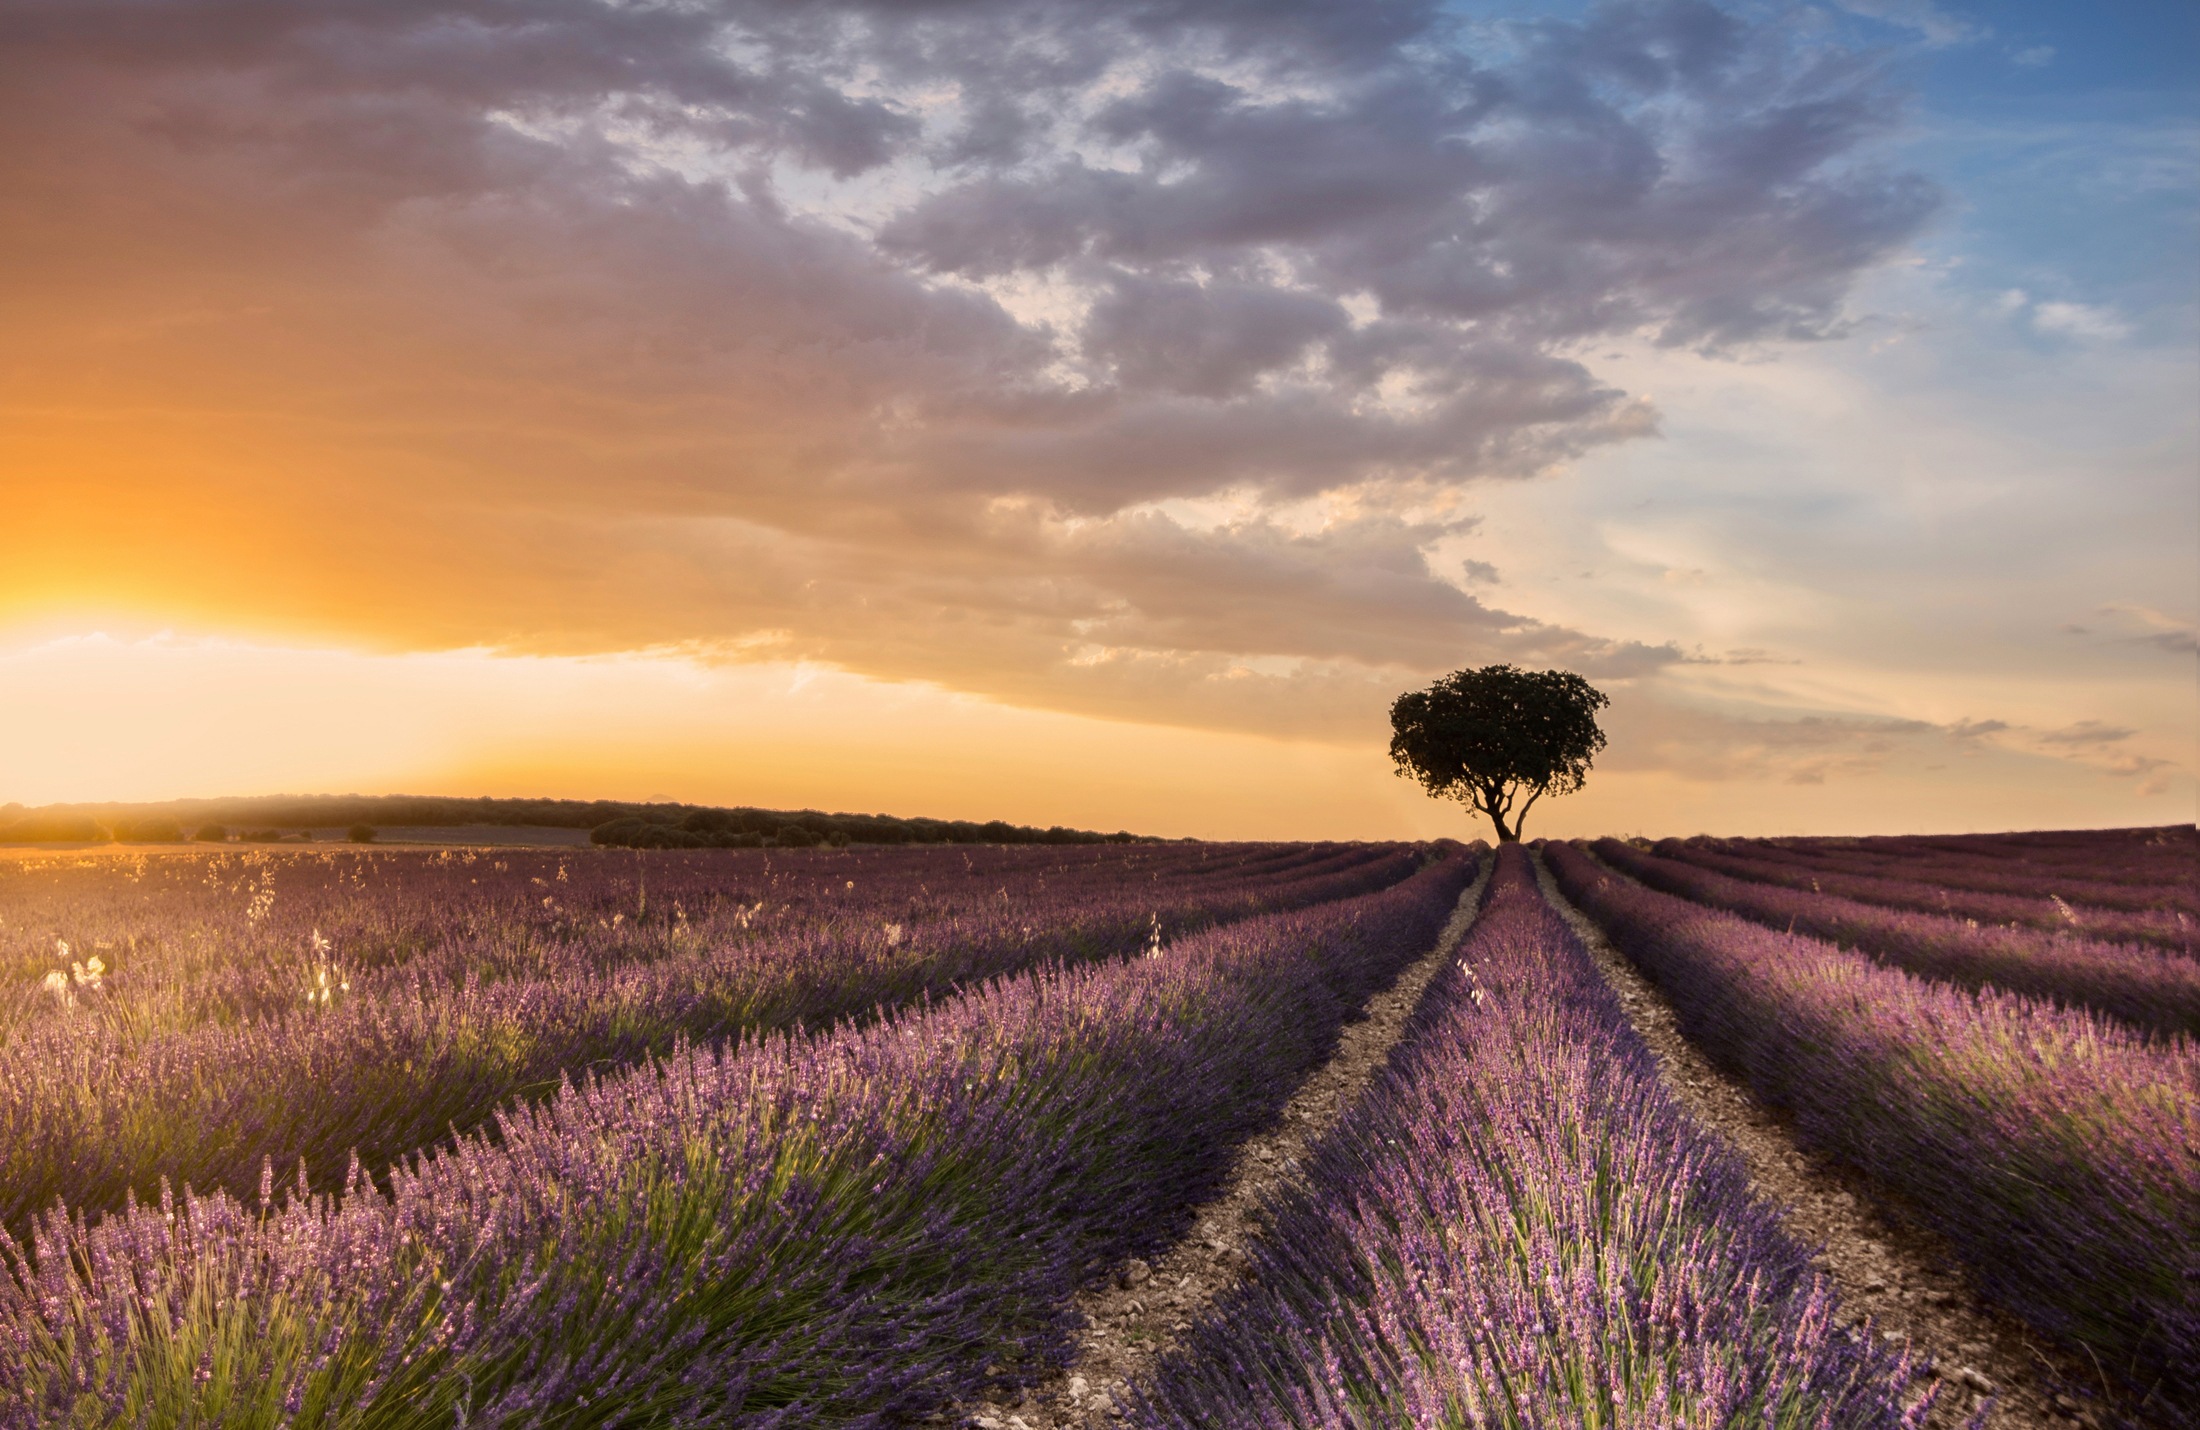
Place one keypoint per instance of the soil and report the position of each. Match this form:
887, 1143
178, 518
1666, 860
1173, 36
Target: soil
1142, 1309
1891, 1270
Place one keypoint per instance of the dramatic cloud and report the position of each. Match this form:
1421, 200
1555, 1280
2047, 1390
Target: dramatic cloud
2087, 734
2163, 632
1123, 358
1699, 744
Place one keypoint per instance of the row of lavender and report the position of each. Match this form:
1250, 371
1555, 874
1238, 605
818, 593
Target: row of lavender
2120, 875
1519, 1227
839, 1229
2146, 987
2150, 860
2043, 904
177, 939
2163, 853
2058, 1150
91, 1110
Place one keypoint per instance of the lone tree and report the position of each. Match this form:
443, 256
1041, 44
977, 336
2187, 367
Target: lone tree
1486, 737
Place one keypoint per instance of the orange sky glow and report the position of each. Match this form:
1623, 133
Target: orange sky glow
370, 423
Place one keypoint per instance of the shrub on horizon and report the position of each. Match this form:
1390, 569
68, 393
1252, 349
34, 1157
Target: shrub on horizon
53, 829
212, 834
361, 834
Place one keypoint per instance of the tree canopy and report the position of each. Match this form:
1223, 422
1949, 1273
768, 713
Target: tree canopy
1490, 737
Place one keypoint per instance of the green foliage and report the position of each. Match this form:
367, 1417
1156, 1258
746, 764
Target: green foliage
212, 834
157, 830
677, 826
361, 834
659, 827
52, 829
1487, 737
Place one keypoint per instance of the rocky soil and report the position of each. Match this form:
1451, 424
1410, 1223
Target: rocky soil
1145, 1307
1889, 1268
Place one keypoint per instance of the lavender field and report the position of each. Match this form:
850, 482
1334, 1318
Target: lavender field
2057, 1148
839, 1137
1519, 1226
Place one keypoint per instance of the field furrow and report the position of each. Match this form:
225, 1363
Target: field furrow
2039, 909
2056, 1150
1132, 1316
2145, 987
1519, 1227
804, 1231
93, 1113
1900, 1276
2110, 882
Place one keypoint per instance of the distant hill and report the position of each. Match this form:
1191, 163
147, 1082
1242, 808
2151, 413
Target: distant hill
615, 822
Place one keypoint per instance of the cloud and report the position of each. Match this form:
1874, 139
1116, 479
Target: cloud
2083, 322
2080, 320
1210, 340
1739, 655
880, 335
2157, 629
1652, 731
2086, 734
1935, 26
2092, 744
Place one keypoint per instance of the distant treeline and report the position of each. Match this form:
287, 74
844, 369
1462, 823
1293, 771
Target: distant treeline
753, 828
49, 828
646, 826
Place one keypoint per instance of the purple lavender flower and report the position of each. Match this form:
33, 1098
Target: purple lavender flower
837, 1229
2146, 987
1519, 1227
99, 1104
2057, 1149
2048, 900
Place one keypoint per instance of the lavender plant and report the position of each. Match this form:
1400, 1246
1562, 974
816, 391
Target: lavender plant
92, 1111
2168, 855
1918, 891
2106, 878
1519, 1227
2145, 987
2058, 1150
835, 1230
189, 938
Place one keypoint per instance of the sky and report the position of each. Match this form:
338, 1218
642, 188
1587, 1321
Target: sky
1098, 413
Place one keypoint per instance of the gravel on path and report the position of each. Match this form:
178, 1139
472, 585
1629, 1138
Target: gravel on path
1904, 1277
1143, 1308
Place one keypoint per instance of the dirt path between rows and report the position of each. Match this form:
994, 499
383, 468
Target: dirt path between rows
1903, 1276
1144, 1308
